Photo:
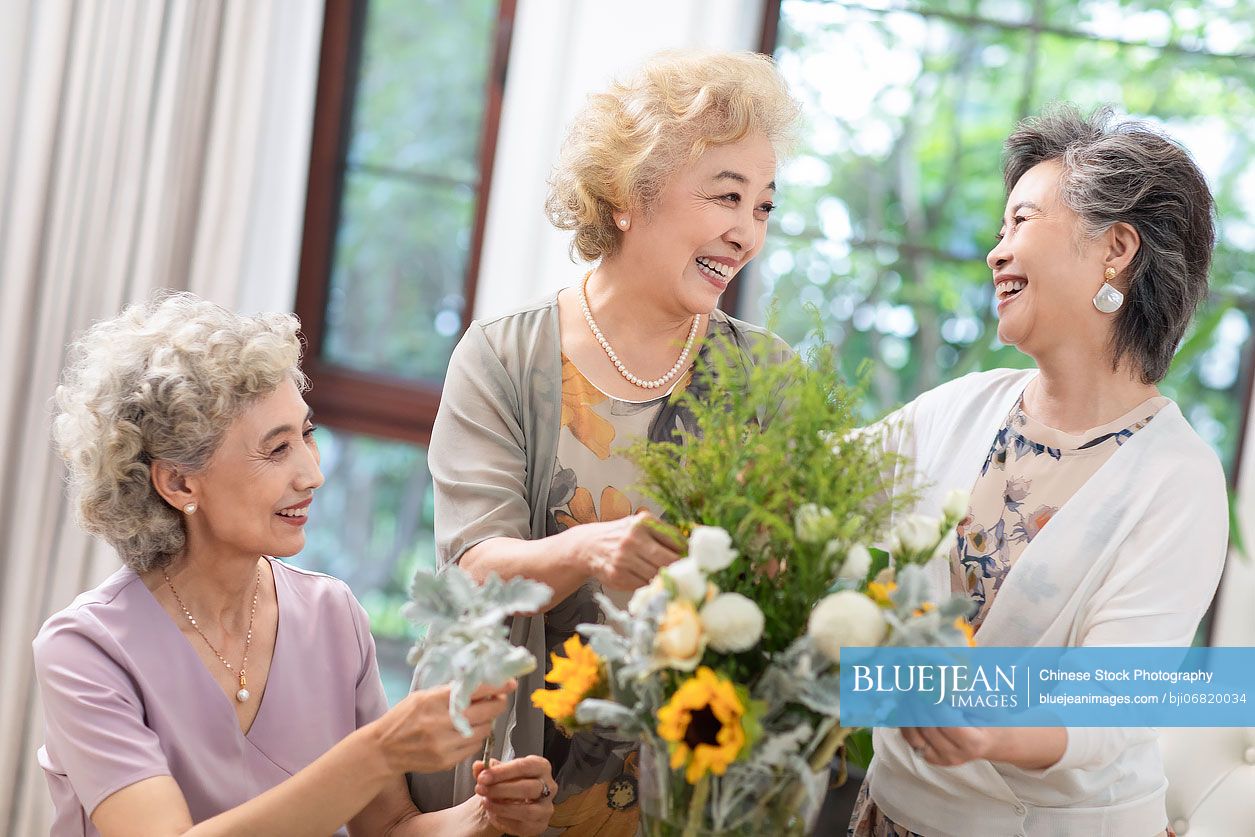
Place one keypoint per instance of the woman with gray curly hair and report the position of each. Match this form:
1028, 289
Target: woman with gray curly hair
173, 702
666, 181
1097, 516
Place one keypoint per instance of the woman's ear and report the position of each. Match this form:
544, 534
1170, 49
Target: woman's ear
1123, 242
172, 485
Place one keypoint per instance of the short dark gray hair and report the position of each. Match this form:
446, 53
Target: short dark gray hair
1126, 171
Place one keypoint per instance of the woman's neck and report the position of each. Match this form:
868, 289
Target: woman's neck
625, 301
1078, 397
215, 589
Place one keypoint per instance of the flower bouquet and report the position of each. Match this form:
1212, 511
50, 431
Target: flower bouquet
727, 666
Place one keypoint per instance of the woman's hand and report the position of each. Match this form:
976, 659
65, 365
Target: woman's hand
1030, 748
952, 746
627, 553
517, 796
418, 736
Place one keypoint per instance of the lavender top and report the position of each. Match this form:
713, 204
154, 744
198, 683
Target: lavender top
126, 697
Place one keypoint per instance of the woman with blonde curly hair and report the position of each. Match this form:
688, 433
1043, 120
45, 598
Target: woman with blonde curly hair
666, 181
173, 703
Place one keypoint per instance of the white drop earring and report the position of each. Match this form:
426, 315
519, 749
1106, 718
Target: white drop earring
1108, 300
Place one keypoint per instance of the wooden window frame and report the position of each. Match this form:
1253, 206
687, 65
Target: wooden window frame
376, 404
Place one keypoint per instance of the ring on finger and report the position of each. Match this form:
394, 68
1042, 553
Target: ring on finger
545, 790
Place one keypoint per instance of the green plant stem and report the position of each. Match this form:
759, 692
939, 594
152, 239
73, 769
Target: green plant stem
697, 807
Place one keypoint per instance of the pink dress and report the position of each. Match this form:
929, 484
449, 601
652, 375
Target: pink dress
126, 697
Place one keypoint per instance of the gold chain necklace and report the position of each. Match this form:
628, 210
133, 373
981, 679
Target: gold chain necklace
635, 380
243, 694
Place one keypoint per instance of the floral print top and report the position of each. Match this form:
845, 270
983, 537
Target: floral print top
593, 481
1030, 472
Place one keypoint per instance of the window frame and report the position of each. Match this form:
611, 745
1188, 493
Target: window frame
371, 403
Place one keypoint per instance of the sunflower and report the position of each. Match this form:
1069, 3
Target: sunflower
881, 593
707, 724
964, 627
578, 675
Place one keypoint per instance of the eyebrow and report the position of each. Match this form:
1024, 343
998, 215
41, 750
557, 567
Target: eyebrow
726, 174
285, 428
1024, 205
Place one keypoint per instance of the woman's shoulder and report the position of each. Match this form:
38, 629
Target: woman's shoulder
749, 336
324, 605
538, 313
511, 341
977, 384
1176, 447
312, 588
95, 616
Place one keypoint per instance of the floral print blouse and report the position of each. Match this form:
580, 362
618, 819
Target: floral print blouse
593, 481
1030, 472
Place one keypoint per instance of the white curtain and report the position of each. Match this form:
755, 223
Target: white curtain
147, 144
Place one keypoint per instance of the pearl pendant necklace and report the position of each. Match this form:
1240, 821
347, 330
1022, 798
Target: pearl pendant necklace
635, 380
243, 694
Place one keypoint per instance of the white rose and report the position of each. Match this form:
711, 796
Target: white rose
846, 618
711, 548
732, 623
857, 562
689, 580
679, 642
812, 523
955, 505
917, 533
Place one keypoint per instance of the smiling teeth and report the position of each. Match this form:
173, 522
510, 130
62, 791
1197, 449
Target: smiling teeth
721, 271
294, 512
1005, 289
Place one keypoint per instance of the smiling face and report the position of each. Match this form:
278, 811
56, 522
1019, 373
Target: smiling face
253, 497
1045, 271
708, 222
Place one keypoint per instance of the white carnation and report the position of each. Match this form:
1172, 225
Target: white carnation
917, 533
857, 562
732, 623
711, 548
689, 580
846, 618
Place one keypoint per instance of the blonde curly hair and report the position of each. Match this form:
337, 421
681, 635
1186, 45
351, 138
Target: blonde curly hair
163, 380
626, 143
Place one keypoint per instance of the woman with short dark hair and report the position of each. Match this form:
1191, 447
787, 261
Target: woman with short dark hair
1097, 516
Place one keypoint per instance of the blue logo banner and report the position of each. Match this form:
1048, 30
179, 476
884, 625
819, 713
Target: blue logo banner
1048, 687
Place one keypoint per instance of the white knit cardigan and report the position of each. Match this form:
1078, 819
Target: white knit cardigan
1133, 559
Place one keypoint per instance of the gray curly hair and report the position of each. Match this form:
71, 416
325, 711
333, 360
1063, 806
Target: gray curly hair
162, 381
1128, 172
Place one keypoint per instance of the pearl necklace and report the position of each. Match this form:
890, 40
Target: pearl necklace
635, 380
243, 694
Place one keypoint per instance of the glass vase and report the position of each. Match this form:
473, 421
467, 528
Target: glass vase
741, 803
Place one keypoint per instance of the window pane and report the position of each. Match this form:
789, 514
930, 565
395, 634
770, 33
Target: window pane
396, 297
371, 525
412, 174
887, 212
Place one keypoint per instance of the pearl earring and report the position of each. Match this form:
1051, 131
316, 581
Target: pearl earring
190, 508
623, 222
1108, 300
